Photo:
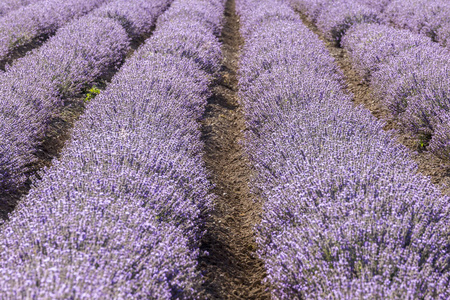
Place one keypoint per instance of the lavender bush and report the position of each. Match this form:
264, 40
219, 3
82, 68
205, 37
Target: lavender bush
334, 17
370, 45
78, 54
429, 17
443, 35
194, 32
117, 215
337, 16
32, 90
137, 17
418, 93
207, 13
378, 5
346, 215
311, 8
38, 20
7, 6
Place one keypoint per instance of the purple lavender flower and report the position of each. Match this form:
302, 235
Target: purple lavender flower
346, 216
39, 20
118, 213
7, 6
428, 17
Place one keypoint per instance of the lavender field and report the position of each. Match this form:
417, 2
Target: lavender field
225, 149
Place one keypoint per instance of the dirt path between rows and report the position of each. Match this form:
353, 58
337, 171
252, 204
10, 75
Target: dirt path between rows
232, 269
428, 164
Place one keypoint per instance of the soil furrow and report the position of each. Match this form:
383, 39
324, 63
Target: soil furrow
231, 267
428, 164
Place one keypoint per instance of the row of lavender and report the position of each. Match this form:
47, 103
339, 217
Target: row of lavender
29, 23
416, 94
7, 6
346, 215
117, 215
33, 90
410, 75
427, 17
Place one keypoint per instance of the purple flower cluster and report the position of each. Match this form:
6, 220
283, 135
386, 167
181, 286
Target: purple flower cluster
117, 215
11, 5
418, 93
33, 89
41, 19
137, 17
429, 17
379, 5
346, 215
337, 16
371, 45
334, 17
193, 34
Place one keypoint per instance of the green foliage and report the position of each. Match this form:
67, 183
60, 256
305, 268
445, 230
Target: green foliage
92, 92
424, 140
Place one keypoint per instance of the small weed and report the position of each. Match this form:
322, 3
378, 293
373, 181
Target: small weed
92, 92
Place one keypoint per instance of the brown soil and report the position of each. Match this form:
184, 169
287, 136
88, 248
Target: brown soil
430, 165
59, 129
232, 268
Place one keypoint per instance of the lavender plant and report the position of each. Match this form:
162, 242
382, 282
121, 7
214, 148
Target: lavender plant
418, 93
428, 17
370, 45
346, 215
117, 215
7, 6
311, 8
131, 15
338, 16
334, 17
80, 53
39, 20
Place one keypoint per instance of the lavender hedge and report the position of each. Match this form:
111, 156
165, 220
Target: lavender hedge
334, 17
346, 215
7, 6
429, 17
25, 25
337, 16
117, 215
33, 90
371, 45
137, 17
417, 93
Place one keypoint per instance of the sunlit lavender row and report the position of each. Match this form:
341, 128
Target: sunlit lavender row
137, 17
417, 94
428, 17
117, 215
334, 17
410, 75
346, 215
39, 20
33, 90
7, 6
